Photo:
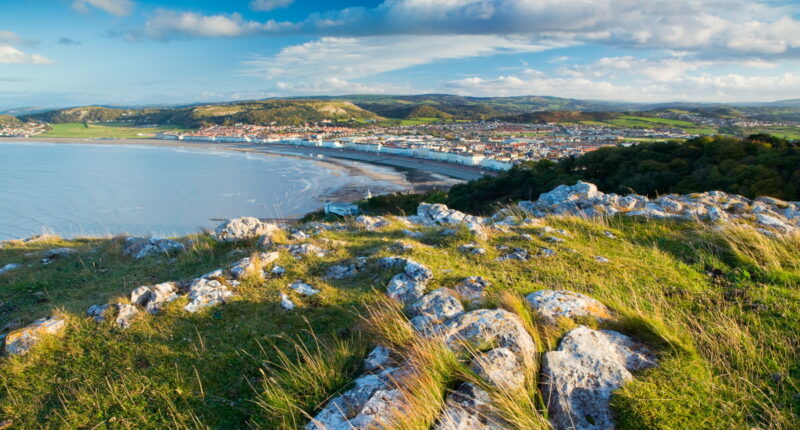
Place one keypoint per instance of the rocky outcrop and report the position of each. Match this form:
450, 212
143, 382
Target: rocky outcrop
472, 290
206, 292
138, 247
408, 286
372, 222
585, 200
428, 313
20, 341
579, 378
439, 214
469, 407
497, 327
244, 228
153, 297
253, 265
550, 305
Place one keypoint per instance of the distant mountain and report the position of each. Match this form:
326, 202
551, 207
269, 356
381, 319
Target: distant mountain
9, 121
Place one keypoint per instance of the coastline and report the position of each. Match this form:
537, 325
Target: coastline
416, 170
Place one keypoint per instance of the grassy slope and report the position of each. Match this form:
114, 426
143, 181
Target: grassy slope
119, 130
723, 338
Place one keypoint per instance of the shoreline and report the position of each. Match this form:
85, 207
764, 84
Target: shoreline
409, 166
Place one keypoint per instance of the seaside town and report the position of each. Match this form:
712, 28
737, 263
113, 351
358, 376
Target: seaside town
25, 129
493, 145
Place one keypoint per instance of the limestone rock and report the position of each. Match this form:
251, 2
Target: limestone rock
286, 302
405, 289
22, 340
472, 248
303, 288
125, 315
500, 368
138, 247
372, 222
495, 327
579, 378
379, 359
472, 289
305, 249
439, 214
98, 312
469, 408
433, 309
253, 265
153, 297
518, 254
551, 305
9, 267
243, 228
206, 292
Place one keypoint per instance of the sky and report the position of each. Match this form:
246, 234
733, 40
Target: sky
57, 53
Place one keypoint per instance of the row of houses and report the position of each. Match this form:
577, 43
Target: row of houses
415, 151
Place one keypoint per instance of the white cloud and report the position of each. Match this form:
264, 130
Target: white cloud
114, 7
165, 24
12, 55
9, 37
696, 87
348, 57
268, 5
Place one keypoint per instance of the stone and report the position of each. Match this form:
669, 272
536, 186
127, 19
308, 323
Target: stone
9, 267
299, 235
545, 253
371, 403
579, 378
244, 228
773, 223
472, 289
341, 271
379, 359
601, 259
21, 341
286, 302
491, 327
153, 297
405, 289
550, 305
518, 254
125, 315
253, 265
301, 287
439, 214
98, 312
552, 239
304, 250
500, 367
372, 222
277, 271
206, 292
59, 253
469, 408
413, 234
565, 193
139, 248
433, 309
402, 247
417, 271
472, 248
609, 234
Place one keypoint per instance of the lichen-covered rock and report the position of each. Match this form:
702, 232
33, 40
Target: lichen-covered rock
405, 289
371, 404
501, 368
379, 359
303, 288
372, 222
153, 297
206, 292
243, 228
98, 312
342, 271
469, 408
491, 327
472, 289
138, 247
439, 214
472, 248
253, 265
125, 315
305, 249
579, 378
22, 340
433, 309
9, 267
517, 254
550, 305
417, 271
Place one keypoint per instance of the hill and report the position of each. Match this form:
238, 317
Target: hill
669, 324
9, 121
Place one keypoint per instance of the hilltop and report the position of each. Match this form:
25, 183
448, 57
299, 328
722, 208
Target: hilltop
9, 121
675, 312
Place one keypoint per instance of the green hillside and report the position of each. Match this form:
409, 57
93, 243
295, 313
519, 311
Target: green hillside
9, 121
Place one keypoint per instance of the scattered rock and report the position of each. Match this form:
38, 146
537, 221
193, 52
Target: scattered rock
518, 254
244, 228
413, 234
253, 265
469, 408
609, 234
472, 248
286, 302
301, 287
125, 315
439, 214
405, 289
551, 305
579, 378
153, 297
379, 359
138, 247
206, 292
9, 267
372, 222
545, 253
500, 368
53, 254
472, 289
433, 309
98, 312
601, 259
496, 327
402, 247
277, 271
305, 249
22, 340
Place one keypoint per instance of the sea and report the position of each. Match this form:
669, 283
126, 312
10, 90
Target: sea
76, 190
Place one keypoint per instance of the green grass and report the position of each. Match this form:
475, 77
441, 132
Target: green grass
116, 130
783, 132
722, 339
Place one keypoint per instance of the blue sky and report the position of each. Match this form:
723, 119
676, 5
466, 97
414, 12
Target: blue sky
73, 52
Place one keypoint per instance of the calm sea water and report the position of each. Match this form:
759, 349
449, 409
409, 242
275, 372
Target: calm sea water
91, 190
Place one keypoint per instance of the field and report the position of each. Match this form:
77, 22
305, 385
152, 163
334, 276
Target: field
784, 132
652, 122
110, 130
721, 307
